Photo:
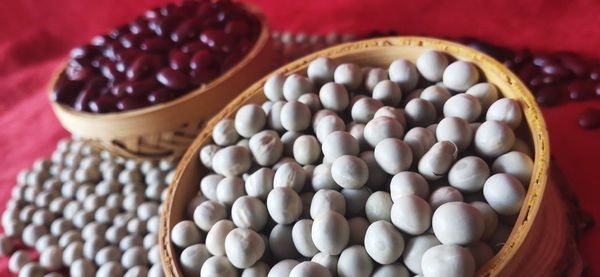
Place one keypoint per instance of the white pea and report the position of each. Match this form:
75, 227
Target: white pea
481, 252
348, 75
274, 116
282, 268
408, 183
374, 76
391, 270
456, 130
72, 252
215, 238
110, 269
288, 139
404, 73
463, 105
381, 128
31, 269
334, 97
469, 174
249, 119
393, 155
115, 233
493, 138
388, 93
93, 229
281, 242
311, 100
108, 254
515, 163
457, 223
327, 125
249, 212
506, 110
420, 112
296, 85
322, 179
437, 161
50, 258
364, 109
431, 64
447, 261
32, 233
185, 233
420, 140
377, 177
290, 175
18, 260
207, 214
414, 250
378, 206
383, 242
307, 149
460, 76
82, 268
358, 229
391, 112
321, 70
243, 247
129, 241
232, 161
327, 200
490, 218
266, 106
411, 214
486, 93
224, 133
192, 258
260, 269
522, 146
309, 269
330, 232
208, 185
266, 147
349, 172
339, 143
156, 270
295, 116
354, 261
273, 87
284, 205
301, 235
306, 198
328, 261
443, 195
260, 183
218, 266
229, 189
504, 193
137, 271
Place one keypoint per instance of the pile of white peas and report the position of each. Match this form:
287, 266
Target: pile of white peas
409, 170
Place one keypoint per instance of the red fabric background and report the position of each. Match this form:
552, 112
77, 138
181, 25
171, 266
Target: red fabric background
37, 34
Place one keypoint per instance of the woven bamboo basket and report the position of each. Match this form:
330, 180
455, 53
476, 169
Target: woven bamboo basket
166, 130
540, 237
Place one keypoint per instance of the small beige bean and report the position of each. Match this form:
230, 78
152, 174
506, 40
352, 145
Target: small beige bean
437, 161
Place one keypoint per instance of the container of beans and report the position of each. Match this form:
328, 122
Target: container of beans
145, 89
382, 156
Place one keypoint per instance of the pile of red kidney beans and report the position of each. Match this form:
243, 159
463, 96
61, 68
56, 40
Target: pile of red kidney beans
157, 57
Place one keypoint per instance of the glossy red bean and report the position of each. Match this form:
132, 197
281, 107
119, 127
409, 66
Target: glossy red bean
166, 10
522, 56
100, 40
201, 60
66, 92
555, 69
596, 90
163, 26
238, 28
110, 71
595, 73
119, 31
127, 56
139, 25
590, 118
179, 60
528, 72
141, 88
160, 96
574, 64
187, 30
132, 103
204, 10
89, 92
217, 39
173, 79
84, 51
156, 45
193, 47
78, 73
580, 89
118, 90
141, 67
542, 60
129, 40
103, 104
99, 61
202, 76
153, 13
111, 49
548, 96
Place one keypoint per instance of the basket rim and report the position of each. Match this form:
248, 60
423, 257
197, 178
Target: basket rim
261, 41
534, 119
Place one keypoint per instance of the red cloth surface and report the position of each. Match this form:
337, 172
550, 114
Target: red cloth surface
36, 36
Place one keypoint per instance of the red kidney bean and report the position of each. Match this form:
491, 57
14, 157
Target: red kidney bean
166, 10
66, 92
542, 60
231, 60
528, 72
555, 69
131, 103
99, 61
111, 49
522, 56
129, 40
119, 90
141, 88
179, 60
127, 56
173, 79
574, 63
141, 67
160, 95
201, 60
590, 118
595, 73
163, 26
103, 104
89, 92
84, 51
201, 76
238, 28
77, 73
100, 40
139, 25
187, 30
596, 90
580, 89
204, 9
119, 31
109, 70
537, 81
153, 13
193, 47
548, 96
217, 39
156, 45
